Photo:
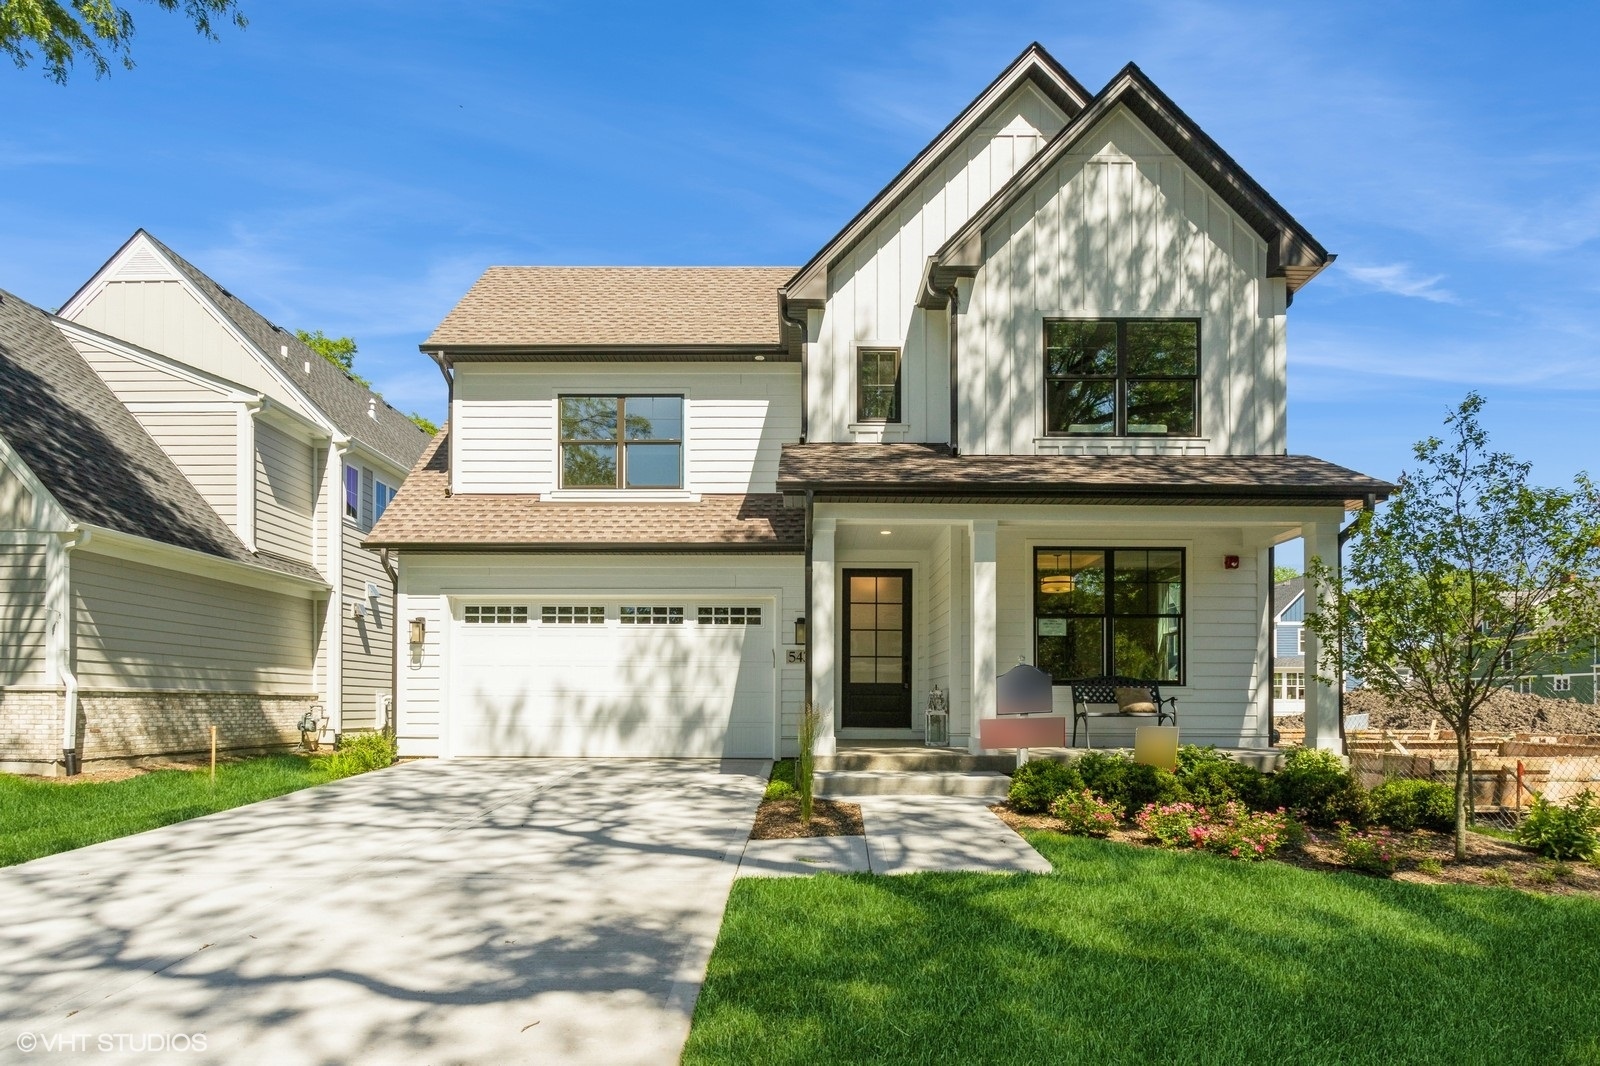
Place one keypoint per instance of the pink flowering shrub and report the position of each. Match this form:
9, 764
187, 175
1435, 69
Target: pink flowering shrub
1085, 814
1373, 851
1232, 829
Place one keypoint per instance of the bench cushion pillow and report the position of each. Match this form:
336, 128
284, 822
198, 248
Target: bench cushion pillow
1135, 701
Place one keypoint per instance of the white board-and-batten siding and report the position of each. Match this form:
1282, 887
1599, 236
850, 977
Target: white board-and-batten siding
873, 289
1123, 228
736, 420
143, 627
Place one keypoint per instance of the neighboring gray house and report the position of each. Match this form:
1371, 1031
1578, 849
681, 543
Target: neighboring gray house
1289, 647
186, 486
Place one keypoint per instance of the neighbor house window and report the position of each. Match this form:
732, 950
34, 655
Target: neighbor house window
622, 442
878, 384
1122, 376
1291, 684
381, 495
1300, 640
1561, 683
1104, 611
352, 492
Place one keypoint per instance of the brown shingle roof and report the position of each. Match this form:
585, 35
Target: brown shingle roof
911, 470
567, 307
422, 516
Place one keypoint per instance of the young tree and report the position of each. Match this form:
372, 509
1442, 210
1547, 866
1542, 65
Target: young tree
1280, 574
427, 425
96, 30
340, 351
1468, 574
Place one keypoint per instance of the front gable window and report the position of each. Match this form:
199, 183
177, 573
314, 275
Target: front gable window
878, 385
621, 442
1122, 377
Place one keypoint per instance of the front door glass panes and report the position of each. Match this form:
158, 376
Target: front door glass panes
877, 630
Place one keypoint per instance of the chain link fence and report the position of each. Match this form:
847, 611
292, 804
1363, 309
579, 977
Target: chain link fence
1506, 770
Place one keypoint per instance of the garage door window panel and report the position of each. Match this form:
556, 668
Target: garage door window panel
494, 614
572, 615
651, 616
612, 442
729, 616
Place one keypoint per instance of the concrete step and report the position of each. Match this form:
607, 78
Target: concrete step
914, 760
839, 784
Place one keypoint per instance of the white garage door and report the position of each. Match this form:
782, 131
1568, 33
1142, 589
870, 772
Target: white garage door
563, 677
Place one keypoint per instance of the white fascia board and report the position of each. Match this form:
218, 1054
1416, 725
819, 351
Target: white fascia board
116, 544
228, 391
287, 417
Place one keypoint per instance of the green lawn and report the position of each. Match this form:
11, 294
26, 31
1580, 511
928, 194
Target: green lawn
43, 817
1131, 955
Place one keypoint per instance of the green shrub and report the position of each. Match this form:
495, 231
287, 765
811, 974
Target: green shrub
1408, 804
1105, 774
1036, 785
781, 785
1570, 832
1084, 813
360, 752
1211, 779
1372, 851
1318, 787
1150, 784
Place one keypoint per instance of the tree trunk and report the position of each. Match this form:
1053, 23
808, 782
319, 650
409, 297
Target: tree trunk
1463, 783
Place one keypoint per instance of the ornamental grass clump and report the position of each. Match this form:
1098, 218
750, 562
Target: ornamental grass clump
1232, 830
1372, 851
1085, 814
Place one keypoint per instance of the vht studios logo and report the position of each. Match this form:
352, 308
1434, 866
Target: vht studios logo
136, 1043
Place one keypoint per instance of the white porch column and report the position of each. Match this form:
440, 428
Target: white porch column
1322, 699
985, 647
824, 632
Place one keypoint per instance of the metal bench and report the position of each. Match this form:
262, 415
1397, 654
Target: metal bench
1102, 690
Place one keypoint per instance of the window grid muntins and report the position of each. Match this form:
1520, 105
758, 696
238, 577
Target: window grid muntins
571, 615
878, 385
1561, 683
729, 616
651, 616
1122, 377
1105, 611
1291, 685
494, 614
621, 442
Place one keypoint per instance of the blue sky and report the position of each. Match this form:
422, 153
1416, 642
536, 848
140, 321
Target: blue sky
354, 166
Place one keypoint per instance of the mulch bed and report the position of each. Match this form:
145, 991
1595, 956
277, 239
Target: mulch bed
1489, 861
780, 820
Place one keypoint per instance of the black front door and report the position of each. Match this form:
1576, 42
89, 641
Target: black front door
877, 649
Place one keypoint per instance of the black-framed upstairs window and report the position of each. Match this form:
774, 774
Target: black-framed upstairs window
1123, 377
621, 442
877, 384
1100, 611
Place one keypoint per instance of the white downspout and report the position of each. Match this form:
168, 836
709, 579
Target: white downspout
58, 586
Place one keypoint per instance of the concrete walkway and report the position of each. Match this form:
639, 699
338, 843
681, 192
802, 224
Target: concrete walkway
904, 834
479, 911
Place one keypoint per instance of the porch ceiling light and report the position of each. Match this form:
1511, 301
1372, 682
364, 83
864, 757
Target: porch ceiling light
884, 532
1055, 583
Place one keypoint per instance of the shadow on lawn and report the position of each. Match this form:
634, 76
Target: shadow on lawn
1132, 955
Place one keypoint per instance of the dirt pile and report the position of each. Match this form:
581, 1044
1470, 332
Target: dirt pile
1506, 712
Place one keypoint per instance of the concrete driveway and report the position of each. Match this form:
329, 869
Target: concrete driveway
486, 911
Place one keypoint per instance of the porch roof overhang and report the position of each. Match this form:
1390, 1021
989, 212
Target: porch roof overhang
907, 473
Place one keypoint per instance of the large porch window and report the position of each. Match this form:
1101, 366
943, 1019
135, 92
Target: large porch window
1109, 611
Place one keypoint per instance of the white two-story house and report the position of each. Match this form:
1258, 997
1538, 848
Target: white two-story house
1028, 405
189, 487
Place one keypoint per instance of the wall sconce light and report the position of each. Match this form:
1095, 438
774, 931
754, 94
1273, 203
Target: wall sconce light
1230, 562
419, 630
799, 630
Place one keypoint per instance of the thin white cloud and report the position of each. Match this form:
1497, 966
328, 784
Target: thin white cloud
1400, 279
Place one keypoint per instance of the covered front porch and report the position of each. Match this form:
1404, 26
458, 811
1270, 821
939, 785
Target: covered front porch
912, 600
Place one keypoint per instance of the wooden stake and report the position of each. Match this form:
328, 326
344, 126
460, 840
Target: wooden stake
213, 755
